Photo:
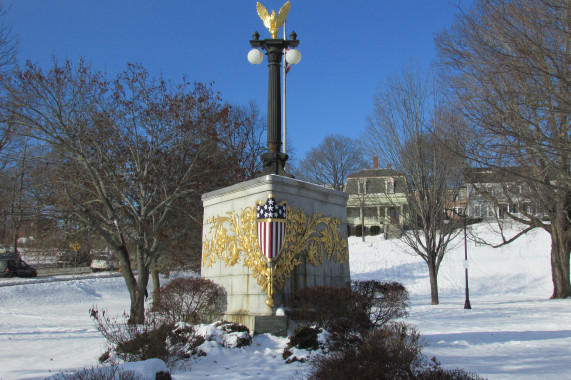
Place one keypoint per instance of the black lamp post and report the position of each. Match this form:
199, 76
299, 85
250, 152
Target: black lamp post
274, 160
464, 216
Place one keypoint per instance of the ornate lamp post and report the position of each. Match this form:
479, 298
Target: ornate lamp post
464, 216
274, 160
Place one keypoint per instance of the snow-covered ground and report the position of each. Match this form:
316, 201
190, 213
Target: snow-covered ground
512, 332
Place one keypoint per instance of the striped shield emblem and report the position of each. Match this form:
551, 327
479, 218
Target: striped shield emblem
271, 224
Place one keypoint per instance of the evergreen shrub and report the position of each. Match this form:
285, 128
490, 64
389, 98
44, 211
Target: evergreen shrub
375, 230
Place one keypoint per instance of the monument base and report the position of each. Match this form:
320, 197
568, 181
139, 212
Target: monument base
261, 324
274, 324
314, 253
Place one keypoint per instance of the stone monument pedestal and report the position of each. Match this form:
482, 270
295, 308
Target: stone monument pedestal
314, 251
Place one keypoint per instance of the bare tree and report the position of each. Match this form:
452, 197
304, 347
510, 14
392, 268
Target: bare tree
127, 152
403, 130
15, 213
510, 72
18, 207
8, 51
332, 161
248, 138
8, 44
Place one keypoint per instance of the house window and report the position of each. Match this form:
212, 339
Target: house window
477, 211
502, 211
390, 187
529, 209
394, 216
512, 208
363, 187
370, 213
459, 210
353, 213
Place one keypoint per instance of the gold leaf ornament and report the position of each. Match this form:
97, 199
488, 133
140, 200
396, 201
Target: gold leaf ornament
272, 21
234, 236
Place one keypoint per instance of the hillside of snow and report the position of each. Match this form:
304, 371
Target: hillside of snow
512, 332
521, 267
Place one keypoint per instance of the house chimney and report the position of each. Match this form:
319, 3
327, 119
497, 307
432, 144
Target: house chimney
389, 166
375, 162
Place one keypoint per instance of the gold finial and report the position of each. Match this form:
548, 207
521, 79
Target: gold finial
273, 22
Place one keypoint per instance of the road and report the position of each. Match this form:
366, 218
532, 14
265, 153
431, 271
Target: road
56, 274
48, 271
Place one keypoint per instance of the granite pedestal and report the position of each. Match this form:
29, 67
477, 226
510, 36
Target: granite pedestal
314, 253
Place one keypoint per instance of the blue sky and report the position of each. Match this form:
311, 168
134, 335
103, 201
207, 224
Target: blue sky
347, 47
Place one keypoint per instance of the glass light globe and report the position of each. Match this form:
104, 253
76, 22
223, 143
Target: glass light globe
255, 56
293, 56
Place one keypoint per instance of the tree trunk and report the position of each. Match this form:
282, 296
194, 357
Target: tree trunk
155, 278
560, 247
15, 239
432, 274
137, 286
138, 296
137, 314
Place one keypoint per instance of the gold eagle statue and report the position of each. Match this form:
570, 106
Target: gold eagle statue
273, 22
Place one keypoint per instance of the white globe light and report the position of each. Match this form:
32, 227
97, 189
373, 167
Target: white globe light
293, 56
255, 56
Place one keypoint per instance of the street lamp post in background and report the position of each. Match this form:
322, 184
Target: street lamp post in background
274, 160
464, 216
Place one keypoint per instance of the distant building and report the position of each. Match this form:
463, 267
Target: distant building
459, 203
492, 193
376, 197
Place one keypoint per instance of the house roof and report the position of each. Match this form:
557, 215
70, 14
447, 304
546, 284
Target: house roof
495, 175
373, 173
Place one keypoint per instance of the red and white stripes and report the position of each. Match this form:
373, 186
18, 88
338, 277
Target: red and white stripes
271, 237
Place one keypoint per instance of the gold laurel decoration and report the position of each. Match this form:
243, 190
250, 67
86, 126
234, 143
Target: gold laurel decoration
243, 238
318, 236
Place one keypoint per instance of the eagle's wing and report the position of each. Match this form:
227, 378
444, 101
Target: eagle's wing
264, 15
282, 14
